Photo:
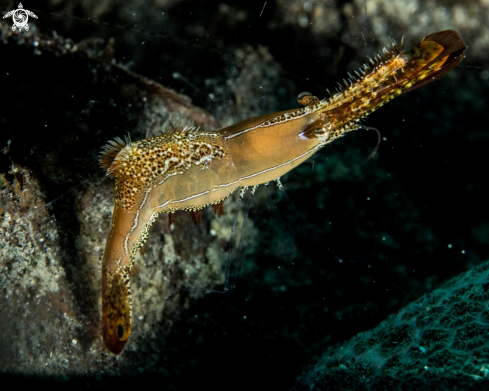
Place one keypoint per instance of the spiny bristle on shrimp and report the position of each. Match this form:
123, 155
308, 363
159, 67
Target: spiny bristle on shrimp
189, 169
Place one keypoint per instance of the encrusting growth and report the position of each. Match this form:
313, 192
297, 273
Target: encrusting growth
189, 169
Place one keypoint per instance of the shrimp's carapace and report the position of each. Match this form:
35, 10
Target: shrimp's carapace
189, 169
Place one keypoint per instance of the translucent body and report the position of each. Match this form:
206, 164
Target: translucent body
186, 169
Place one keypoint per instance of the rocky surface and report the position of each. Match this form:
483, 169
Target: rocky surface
439, 341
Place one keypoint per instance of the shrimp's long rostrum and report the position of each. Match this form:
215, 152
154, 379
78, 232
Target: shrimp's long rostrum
188, 169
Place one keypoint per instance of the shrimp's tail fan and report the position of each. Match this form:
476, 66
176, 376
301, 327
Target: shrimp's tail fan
433, 57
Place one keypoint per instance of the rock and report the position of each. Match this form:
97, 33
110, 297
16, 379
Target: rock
440, 341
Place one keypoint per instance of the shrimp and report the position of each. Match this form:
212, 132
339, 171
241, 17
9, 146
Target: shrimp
189, 169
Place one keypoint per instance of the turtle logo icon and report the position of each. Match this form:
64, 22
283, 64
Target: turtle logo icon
20, 17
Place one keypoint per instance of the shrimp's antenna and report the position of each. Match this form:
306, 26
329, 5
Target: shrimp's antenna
120, 27
233, 275
262, 9
53, 201
279, 218
243, 227
370, 156
228, 100
230, 254
364, 33
230, 250
179, 76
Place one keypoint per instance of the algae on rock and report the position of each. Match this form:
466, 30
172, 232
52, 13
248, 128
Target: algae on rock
440, 341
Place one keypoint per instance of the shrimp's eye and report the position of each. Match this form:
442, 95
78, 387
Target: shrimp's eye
304, 98
307, 99
322, 132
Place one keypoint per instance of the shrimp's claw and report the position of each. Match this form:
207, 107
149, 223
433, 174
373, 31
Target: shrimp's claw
435, 56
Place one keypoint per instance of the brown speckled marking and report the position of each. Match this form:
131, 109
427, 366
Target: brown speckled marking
137, 165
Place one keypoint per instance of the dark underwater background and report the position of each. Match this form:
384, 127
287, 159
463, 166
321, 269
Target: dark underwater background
354, 241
